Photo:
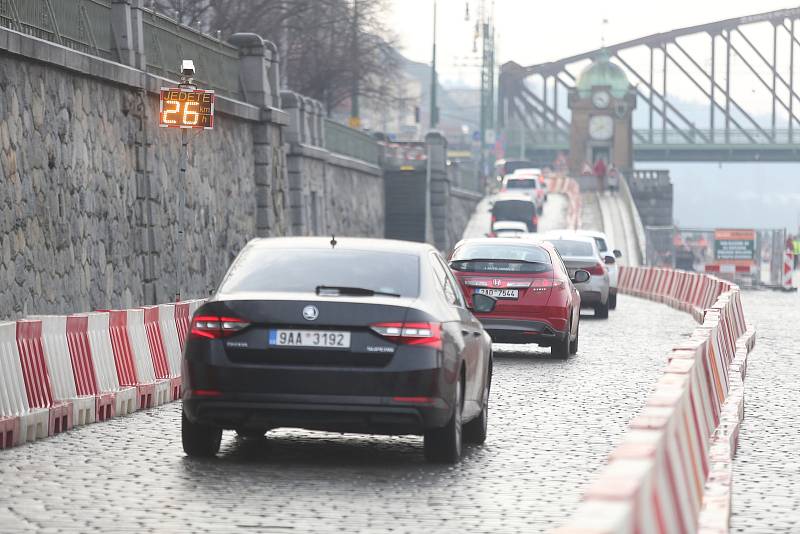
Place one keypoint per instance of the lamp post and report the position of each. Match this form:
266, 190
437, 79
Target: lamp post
434, 122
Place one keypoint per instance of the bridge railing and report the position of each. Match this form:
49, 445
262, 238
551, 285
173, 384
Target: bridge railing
83, 25
350, 142
166, 43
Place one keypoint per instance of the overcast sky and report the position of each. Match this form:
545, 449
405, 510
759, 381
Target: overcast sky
530, 31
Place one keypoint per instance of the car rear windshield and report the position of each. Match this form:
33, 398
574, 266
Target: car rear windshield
567, 247
521, 183
303, 270
491, 258
513, 209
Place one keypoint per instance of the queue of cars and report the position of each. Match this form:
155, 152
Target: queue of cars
384, 337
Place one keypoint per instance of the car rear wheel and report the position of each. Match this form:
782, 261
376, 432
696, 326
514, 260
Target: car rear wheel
612, 301
601, 311
475, 431
573, 345
561, 347
199, 441
444, 444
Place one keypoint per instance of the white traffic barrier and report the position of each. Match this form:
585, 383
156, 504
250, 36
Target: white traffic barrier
105, 365
168, 322
143, 361
21, 423
672, 472
59, 365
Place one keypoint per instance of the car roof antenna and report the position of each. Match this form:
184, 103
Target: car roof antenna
333, 241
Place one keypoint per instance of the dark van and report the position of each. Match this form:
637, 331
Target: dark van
515, 207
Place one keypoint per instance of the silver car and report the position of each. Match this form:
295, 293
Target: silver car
580, 252
610, 255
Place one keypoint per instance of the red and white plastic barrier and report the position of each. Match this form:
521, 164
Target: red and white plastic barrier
672, 471
569, 188
60, 371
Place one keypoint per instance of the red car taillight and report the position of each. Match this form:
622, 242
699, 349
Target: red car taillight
214, 327
542, 284
426, 334
494, 219
598, 269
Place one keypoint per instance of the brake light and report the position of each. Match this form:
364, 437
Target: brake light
425, 334
206, 393
214, 327
535, 220
494, 219
597, 269
543, 284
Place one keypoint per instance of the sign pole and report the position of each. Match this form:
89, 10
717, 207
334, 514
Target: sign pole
183, 162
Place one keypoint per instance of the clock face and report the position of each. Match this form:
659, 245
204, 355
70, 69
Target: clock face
601, 127
601, 99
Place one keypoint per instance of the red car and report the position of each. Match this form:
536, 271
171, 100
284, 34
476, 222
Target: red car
536, 299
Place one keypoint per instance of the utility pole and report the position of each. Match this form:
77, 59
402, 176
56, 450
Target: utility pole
487, 88
434, 82
355, 119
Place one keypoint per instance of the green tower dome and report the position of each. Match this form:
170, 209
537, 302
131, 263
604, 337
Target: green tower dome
603, 72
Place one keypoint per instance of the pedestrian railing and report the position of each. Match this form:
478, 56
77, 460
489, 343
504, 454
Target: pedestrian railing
350, 142
83, 25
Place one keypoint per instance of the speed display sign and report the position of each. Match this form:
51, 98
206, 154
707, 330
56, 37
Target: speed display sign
182, 107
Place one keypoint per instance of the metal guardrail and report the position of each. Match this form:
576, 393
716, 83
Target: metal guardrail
83, 25
349, 142
166, 43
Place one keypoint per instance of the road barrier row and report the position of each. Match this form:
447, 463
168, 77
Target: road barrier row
672, 472
571, 189
57, 371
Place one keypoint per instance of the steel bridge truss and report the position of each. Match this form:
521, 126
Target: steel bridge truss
717, 60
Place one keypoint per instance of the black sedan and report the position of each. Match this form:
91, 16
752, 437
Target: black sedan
349, 335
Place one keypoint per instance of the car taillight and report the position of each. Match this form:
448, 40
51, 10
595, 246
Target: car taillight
213, 326
494, 219
535, 220
543, 284
426, 334
598, 269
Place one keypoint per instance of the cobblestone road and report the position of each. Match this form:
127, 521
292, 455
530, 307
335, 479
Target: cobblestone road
552, 424
766, 472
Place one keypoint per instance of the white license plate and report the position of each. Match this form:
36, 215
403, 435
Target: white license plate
310, 338
499, 293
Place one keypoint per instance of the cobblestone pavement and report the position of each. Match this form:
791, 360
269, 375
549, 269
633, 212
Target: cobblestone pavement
766, 471
552, 425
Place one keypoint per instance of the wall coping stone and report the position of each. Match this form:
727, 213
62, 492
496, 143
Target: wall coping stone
338, 160
465, 194
29, 47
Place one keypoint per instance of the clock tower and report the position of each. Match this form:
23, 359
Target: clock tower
602, 105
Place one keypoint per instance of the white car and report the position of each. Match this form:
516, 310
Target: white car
610, 255
508, 229
526, 184
580, 252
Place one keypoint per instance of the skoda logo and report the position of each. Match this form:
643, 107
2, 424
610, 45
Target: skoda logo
310, 313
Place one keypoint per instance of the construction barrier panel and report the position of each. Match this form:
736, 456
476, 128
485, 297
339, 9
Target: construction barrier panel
60, 371
672, 472
59, 366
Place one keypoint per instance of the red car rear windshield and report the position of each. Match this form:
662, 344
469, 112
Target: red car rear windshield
501, 258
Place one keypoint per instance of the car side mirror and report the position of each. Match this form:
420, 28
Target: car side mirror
581, 276
610, 260
617, 253
483, 303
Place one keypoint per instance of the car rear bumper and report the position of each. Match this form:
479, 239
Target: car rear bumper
405, 395
369, 415
590, 298
503, 330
